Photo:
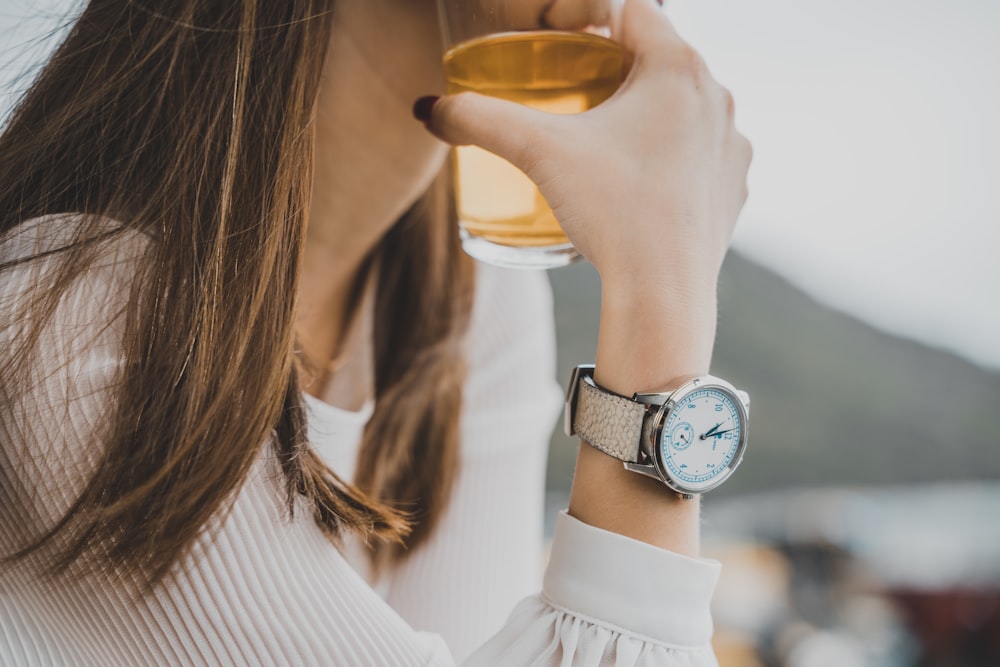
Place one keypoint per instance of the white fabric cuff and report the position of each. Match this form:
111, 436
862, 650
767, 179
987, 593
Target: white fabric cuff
630, 586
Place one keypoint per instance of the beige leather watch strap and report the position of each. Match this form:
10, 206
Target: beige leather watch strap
610, 423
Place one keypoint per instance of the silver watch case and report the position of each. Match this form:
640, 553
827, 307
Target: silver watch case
661, 405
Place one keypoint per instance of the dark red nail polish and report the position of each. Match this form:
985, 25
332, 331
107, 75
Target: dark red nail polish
659, 2
423, 107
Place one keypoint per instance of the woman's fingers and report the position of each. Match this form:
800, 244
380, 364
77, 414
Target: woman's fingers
551, 14
745, 150
515, 132
646, 30
576, 14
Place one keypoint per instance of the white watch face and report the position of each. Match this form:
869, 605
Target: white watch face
701, 438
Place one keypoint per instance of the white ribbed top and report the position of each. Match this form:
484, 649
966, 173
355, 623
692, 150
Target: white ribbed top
270, 591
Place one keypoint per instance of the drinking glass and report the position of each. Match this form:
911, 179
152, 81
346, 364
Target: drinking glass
553, 55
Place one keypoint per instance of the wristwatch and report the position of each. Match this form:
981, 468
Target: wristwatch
691, 438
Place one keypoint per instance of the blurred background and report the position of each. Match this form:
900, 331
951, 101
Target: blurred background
860, 308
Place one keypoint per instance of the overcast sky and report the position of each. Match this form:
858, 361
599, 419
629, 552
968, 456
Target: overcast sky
876, 176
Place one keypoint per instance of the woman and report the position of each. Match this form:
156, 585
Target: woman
236, 323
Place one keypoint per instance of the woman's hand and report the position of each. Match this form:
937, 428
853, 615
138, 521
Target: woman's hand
647, 185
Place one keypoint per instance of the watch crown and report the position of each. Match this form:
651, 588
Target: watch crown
745, 397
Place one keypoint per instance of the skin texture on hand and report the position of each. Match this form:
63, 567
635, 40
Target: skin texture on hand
648, 186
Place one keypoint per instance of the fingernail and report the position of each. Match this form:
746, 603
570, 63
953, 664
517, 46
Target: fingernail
659, 2
423, 108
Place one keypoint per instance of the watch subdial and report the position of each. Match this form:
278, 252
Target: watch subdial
682, 436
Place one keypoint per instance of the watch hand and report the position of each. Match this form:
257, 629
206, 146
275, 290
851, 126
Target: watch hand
711, 431
718, 433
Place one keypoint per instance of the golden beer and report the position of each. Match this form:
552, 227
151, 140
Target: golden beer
558, 72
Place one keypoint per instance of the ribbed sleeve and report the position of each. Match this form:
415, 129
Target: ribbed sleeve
486, 556
261, 589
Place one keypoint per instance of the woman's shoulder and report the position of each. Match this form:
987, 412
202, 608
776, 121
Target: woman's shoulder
62, 313
49, 234
37, 257
36, 250
60, 309
61, 335
65, 281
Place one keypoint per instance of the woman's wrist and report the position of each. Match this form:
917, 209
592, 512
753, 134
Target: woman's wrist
652, 336
607, 496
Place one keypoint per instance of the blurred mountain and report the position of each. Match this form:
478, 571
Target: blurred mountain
835, 401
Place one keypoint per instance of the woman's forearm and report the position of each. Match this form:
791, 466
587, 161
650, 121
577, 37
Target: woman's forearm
649, 341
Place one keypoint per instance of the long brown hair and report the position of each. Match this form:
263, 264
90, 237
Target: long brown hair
191, 120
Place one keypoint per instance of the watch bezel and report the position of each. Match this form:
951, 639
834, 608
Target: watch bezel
652, 446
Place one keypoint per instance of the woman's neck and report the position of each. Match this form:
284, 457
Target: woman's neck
372, 160
342, 375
